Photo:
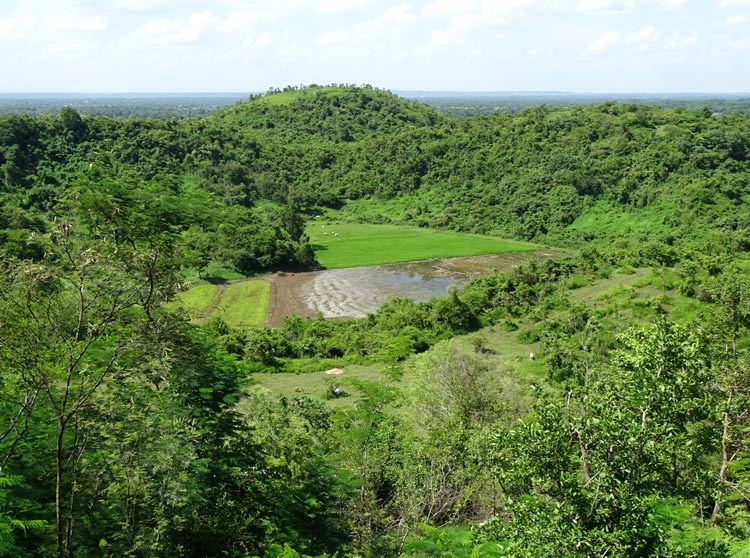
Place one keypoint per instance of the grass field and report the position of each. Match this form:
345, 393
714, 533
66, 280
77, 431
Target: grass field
197, 301
350, 245
244, 303
315, 384
238, 304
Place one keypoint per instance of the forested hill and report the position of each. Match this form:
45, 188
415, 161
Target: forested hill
564, 176
332, 114
609, 170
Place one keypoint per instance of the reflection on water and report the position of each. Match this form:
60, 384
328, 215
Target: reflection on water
356, 292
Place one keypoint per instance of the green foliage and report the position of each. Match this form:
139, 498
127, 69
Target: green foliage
265, 345
602, 460
10, 525
448, 542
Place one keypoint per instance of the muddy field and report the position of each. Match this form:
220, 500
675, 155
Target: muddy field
357, 291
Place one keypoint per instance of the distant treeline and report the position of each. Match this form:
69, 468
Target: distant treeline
125, 105
469, 104
629, 173
182, 105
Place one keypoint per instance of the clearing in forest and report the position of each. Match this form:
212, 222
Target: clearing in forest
238, 303
350, 245
357, 291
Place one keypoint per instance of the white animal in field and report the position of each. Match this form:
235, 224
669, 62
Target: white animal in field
531, 356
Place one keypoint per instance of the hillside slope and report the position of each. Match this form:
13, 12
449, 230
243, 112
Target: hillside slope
563, 176
567, 174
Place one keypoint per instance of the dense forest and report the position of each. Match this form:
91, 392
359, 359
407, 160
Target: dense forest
127, 430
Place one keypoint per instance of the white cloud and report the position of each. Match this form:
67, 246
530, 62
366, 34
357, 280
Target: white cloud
446, 8
679, 41
70, 45
13, 28
249, 15
140, 5
539, 53
604, 42
739, 44
166, 31
643, 38
473, 14
605, 7
732, 3
74, 23
264, 40
665, 4
400, 14
442, 39
367, 37
396, 16
275, 10
338, 36
337, 6
281, 45
737, 20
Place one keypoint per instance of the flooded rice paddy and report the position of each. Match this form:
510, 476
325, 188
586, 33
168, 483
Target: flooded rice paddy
358, 291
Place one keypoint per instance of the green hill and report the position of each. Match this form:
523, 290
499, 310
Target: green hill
332, 114
562, 176
671, 173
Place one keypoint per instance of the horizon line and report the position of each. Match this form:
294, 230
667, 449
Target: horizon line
396, 91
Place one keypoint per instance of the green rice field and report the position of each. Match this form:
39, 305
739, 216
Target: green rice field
239, 304
350, 245
245, 303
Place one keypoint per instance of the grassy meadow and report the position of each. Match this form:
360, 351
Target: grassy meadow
316, 384
197, 301
242, 304
350, 245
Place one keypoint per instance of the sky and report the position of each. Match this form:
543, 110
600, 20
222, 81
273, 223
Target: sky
425, 45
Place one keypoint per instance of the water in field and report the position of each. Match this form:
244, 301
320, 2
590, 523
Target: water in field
356, 292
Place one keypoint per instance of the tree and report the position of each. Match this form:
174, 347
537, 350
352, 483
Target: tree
73, 320
615, 460
453, 396
69, 322
73, 126
731, 292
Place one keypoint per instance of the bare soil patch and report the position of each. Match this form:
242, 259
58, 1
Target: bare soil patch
357, 291
286, 298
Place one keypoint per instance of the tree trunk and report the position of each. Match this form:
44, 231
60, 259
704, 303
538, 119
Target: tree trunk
59, 523
724, 458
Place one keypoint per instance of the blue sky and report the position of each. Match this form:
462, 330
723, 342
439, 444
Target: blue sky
456, 45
